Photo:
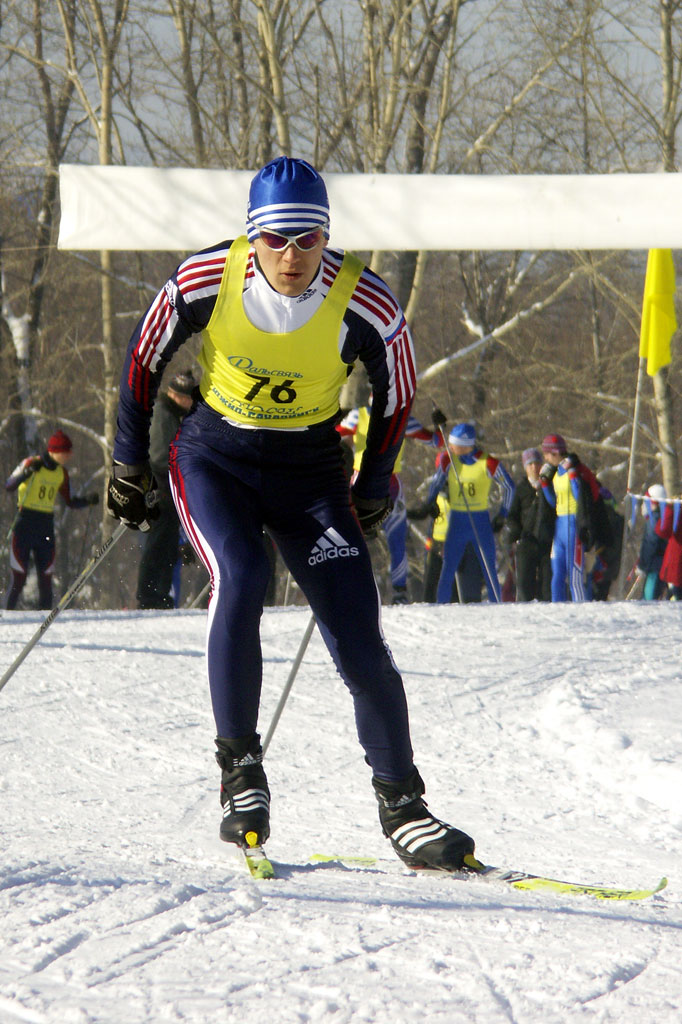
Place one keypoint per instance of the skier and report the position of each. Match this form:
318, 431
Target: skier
468, 489
283, 318
355, 424
38, 480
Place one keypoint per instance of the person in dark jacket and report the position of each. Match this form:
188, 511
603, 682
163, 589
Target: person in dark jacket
530, 525
38, 481
610, 524
162, 541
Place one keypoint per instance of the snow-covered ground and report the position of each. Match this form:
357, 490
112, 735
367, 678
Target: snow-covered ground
552, 733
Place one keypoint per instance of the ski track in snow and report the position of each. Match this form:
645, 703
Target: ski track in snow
552, 733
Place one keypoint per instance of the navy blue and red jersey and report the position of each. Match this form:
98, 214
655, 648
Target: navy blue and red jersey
373, 331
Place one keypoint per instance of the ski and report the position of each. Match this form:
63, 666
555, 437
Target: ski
516, 879
539, 883
255, 858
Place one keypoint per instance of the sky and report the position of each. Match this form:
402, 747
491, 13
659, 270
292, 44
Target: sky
551, 733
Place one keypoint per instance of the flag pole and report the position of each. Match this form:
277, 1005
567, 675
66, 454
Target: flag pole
658, 324
641, 374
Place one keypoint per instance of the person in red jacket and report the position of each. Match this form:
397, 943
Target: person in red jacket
669, 526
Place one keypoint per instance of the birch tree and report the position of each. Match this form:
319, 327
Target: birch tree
670, 12
22, 307
657, 29
97, 33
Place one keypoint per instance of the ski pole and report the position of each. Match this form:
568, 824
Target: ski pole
290, 682
633, 592
65, 601
471, 518
200, 596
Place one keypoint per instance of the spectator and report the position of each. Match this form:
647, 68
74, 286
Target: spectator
609, 544
38, 480
355, 424
530, 526
670, 528
652, 548
161, 545
466, 474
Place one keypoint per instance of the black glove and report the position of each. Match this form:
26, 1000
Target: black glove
547, 472
571, 461
438, 418
422, 511
132, 495
31, 465
371, 512
497, 522
92, 499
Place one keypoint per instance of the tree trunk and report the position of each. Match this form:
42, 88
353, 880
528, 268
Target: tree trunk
671, 93
666, 435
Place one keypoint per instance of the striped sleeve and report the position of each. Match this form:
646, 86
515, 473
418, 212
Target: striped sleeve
181, 308
502, 477
439, 479
348, 427
416, 431
378, 335
18, 475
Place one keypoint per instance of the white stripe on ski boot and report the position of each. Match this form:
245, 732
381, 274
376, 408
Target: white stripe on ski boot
249, 800
412, 835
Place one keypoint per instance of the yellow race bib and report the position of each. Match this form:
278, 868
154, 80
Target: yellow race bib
274, 380
39, 491
473, 488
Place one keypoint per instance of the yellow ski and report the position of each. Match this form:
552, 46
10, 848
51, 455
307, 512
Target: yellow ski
256, 859
516, 879
538, 883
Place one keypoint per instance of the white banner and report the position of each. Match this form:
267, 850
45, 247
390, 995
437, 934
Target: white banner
183, 210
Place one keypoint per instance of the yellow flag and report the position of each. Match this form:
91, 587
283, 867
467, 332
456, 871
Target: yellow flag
658, 310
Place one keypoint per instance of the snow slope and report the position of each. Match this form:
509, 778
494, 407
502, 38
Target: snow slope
551, 733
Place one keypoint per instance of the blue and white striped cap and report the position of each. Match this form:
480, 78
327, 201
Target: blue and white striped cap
289, 196
463, 434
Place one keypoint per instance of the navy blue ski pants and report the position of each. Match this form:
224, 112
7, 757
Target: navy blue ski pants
230, 484
34, 532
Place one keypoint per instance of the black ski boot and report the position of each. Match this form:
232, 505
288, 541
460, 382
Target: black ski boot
419, 839
244, 792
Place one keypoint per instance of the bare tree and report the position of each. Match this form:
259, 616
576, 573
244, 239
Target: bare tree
671, 71
98, 32
525, 342
657, 21
22, 309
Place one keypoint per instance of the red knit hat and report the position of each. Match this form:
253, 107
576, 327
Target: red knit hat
59, 442
554, 444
